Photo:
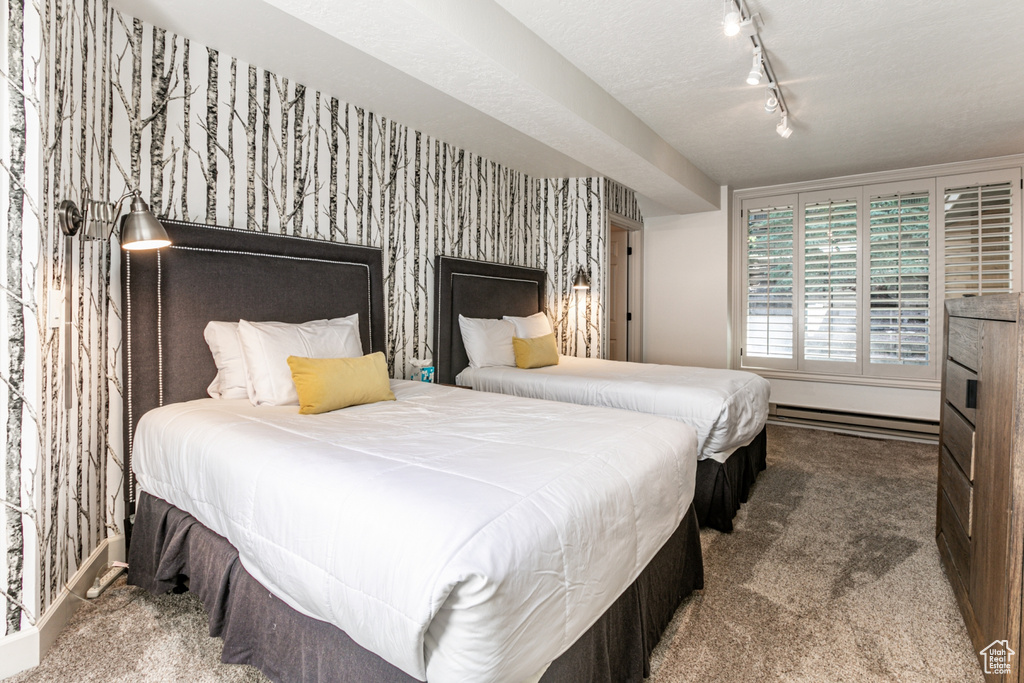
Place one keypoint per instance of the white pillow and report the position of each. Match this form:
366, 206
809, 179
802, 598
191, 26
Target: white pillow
536, 325
266, 347
488, 341
222, 338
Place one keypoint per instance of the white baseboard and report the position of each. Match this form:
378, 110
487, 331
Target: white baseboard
27, 648
19, 651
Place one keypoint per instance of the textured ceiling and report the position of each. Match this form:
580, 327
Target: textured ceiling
872, 84
651, 93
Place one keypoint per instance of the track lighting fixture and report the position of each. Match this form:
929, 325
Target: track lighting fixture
756, 70
738, 20
731, 23
749, 27
783, 128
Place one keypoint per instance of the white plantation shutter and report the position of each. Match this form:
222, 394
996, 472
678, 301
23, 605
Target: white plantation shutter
769, 291
899, 275
978, 222
849, 280
830, 281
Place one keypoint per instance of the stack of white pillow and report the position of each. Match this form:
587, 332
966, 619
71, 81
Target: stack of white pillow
252, 357
488, 341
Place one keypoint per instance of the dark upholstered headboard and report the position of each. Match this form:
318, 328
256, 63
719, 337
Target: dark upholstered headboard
477, 289
213, 273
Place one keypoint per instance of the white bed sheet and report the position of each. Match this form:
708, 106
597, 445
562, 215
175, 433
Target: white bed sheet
459, 535
728, 408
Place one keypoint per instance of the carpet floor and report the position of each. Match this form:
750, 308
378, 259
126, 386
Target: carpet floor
832, 574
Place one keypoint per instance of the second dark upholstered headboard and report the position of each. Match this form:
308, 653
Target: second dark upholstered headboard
213, 273
477, 289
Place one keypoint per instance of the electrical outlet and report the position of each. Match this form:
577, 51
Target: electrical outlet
55, 308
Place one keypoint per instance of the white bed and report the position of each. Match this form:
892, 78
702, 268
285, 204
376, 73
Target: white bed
458, 535
727, 408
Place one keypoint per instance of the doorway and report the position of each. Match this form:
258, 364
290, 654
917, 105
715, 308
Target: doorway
618, 294
625, 289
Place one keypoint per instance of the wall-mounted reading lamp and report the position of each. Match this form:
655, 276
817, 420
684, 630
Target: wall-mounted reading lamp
581, 282
139, 231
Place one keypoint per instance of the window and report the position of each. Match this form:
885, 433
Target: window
978, 234
830, 280
850, 281
900, 263
770, 282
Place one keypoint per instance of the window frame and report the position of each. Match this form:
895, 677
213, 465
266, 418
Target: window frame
872, 184
839, 195
935, 313
756, 206
994, 176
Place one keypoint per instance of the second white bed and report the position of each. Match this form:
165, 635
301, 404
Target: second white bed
727, 408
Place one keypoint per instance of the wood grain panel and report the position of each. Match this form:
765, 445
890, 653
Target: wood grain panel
1015, 565
956, 541
957, 488
991, 510
956, 389
963, 345
989, 307
958, 437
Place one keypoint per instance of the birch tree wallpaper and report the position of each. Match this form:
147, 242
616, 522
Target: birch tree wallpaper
19, 312
97, 102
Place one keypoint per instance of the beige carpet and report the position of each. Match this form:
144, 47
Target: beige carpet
832, 574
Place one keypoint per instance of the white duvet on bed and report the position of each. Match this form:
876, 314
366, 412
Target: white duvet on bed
460, 536
728, 408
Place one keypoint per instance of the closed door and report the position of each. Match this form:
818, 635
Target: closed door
618, 292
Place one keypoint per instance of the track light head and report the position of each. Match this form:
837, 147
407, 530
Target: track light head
783, 128
771, 101
731, 23
756, 70
750, 27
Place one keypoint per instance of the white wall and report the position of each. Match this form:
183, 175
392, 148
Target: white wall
686, 317
686, 288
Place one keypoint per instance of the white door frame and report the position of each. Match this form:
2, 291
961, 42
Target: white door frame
635, 284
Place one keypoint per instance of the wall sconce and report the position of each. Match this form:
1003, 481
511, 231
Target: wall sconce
582, 282
140, 230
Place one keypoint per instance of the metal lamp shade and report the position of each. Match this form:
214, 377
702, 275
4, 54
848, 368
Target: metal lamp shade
141, 230
581, 281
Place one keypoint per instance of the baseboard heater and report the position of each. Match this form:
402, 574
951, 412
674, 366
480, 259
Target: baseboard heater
854, 422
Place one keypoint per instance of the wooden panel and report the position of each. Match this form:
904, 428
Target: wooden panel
956, 389
956, 541
1015, 566
964, 341
958, 437
988, 581
989, 307
957, 488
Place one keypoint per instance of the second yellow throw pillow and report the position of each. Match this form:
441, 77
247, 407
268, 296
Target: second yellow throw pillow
536, 352
326, 384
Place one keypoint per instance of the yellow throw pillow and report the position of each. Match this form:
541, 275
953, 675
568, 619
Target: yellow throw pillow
326, 384
537, 352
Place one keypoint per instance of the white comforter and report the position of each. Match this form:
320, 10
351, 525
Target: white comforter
460, 536
727, 407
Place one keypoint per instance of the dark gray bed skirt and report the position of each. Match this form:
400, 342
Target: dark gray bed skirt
723, 487
169, 546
